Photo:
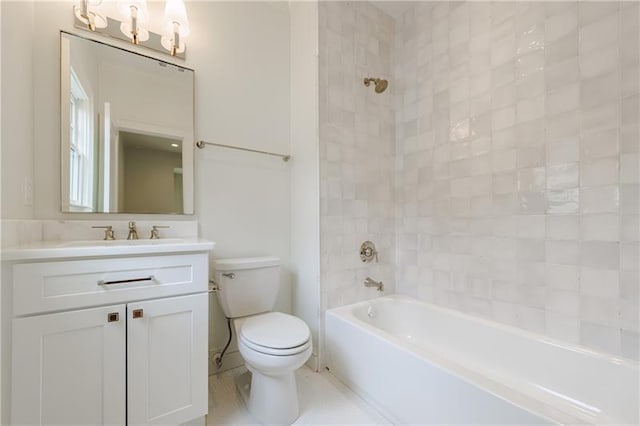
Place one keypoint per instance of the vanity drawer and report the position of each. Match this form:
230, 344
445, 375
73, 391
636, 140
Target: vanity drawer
51, 286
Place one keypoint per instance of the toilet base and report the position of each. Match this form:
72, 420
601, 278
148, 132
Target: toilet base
272, 400
243, 386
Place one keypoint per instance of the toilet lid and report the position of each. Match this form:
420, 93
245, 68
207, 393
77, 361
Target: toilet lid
275, 330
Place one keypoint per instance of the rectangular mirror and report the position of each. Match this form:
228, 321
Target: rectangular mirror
127, 131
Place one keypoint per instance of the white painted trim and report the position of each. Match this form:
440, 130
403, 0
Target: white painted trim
65, 87
313, 363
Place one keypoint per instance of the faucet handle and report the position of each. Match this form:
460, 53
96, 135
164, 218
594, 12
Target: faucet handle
108, 232
133, 233
155, 234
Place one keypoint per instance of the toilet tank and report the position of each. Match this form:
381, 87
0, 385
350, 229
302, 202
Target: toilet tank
247, 286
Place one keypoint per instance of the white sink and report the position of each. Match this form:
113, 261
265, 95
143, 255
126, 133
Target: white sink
109, 243
96, 248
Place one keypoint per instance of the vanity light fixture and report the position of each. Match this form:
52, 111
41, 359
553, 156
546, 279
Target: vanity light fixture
90, 19
175, 145
176, 26
134, 13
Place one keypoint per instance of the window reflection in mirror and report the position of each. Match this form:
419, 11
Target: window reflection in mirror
127, 131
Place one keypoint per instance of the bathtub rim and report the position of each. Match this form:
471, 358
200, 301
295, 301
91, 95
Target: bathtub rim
561, 413
574, 347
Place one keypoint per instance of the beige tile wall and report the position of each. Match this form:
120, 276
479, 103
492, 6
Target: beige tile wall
356, 150
516, 182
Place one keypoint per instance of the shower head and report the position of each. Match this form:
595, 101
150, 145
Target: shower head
380, 84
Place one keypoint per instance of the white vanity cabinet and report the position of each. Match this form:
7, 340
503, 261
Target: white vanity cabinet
167, 381
69, 368
110, 340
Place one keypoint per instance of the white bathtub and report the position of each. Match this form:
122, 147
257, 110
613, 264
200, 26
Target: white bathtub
419, 363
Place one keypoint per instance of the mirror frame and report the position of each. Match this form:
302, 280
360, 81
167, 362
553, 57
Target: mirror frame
188, 151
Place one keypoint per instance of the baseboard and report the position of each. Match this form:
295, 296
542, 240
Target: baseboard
313, 362
200, 421
231, 360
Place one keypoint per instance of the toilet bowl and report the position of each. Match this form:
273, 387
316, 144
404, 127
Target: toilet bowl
272, 344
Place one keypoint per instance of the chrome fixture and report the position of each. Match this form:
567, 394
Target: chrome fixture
368, 282
380, 84
108, 232
285, 158
229, 275
155, 234
368, 252
214, 287
133, 14
133, 234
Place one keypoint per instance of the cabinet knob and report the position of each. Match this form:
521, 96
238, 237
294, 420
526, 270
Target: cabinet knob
137, 313
113, 317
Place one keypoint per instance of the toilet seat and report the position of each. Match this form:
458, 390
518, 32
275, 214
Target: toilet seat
275, 351
275, 333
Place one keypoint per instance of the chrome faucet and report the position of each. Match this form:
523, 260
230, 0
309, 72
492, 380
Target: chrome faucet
133, 234
368, 282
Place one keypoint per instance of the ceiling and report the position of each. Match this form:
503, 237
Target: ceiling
141, 141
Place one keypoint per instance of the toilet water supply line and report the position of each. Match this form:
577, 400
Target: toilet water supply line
218, 359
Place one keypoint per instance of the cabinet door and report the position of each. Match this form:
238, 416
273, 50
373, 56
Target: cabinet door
69, 368
167, 360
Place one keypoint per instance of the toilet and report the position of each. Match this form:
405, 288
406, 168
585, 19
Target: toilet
272, 344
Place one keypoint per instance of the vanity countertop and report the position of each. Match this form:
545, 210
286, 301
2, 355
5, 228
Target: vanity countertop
79, 249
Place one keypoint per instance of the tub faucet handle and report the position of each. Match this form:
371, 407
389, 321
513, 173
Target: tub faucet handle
368, 252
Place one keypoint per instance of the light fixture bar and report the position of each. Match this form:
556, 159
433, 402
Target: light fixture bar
113, 30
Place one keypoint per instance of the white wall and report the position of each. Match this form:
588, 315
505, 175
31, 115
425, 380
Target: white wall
1, 352
240, 51
242, 98
117, 85
17, 107
305, 221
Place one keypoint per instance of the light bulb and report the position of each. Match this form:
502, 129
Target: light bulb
175, 13
140, 6
176, 26
134, 12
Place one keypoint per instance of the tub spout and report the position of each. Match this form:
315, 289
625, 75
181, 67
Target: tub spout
369, 282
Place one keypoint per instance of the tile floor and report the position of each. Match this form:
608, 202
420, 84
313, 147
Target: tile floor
323, 401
